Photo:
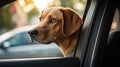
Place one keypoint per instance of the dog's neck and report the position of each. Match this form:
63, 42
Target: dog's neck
67, 44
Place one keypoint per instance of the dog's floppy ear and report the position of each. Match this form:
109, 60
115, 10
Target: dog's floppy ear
72, 21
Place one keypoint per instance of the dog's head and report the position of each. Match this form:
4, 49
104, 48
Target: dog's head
55, 23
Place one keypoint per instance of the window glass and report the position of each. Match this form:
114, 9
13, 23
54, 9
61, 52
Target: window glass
116, 21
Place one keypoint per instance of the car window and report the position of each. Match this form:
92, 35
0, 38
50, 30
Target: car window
116, 21
27, 12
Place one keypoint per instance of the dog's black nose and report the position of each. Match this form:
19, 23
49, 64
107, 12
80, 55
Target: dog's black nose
33, 32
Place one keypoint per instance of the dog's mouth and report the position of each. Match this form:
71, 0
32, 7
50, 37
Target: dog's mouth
35, 37
38, 40
33, 40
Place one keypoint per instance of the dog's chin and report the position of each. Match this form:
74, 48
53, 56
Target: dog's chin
43, 42
40, 41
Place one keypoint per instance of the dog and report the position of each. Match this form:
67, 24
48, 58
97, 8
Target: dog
60, 25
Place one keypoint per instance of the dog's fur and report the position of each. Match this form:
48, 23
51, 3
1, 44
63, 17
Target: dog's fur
60, 25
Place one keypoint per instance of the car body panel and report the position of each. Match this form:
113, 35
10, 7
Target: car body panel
16, 44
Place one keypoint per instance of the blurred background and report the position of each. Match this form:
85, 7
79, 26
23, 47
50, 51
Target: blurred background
26, 12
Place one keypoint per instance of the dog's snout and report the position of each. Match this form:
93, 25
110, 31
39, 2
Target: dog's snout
33, 32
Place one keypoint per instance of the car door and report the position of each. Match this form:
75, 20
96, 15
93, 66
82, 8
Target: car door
92, 40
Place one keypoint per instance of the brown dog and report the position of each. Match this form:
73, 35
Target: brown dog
59, 25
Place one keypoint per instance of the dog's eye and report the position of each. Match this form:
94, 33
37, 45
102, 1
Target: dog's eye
52, 20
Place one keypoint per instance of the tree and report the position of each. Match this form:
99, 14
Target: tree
77, 5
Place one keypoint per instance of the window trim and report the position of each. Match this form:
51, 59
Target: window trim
95, 31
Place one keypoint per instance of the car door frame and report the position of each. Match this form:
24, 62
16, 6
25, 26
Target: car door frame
93, 38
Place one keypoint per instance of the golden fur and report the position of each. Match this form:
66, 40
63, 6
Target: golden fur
60, 25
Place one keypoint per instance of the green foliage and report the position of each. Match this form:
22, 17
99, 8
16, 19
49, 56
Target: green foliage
33, 12
70, 4
5, 17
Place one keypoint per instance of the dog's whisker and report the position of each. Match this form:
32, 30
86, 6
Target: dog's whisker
55, 37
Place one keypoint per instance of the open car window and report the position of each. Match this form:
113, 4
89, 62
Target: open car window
20, 13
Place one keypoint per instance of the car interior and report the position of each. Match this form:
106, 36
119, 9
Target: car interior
98, 45
112, 49
112, 55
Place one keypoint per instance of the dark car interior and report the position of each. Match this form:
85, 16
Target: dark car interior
111, 54
112, 50
3, 2
97, 46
